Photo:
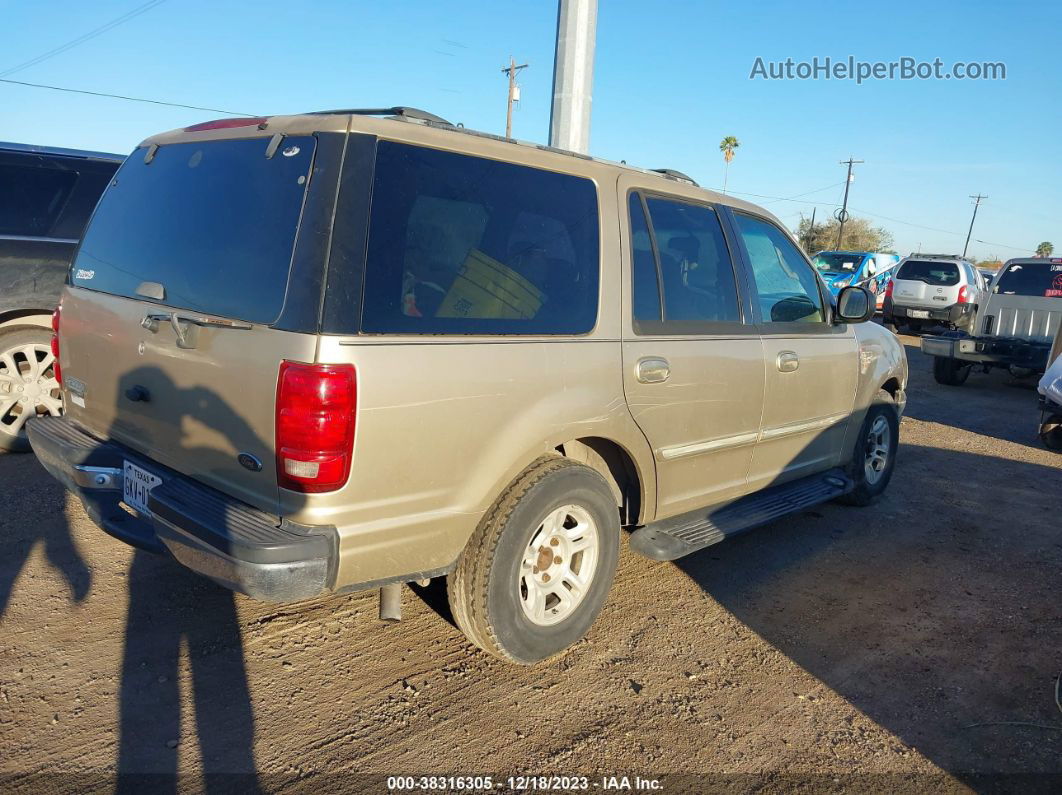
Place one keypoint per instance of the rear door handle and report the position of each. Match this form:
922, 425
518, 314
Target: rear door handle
788, 361
653, 370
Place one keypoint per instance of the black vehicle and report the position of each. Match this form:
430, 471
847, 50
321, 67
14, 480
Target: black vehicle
46, 197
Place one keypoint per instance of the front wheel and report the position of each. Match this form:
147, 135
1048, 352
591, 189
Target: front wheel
875, 452
538, 569
28, 386
950, 372
1051, 432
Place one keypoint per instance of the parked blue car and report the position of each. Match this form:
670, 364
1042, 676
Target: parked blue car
869, 269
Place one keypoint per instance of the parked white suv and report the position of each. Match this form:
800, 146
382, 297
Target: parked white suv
934, 290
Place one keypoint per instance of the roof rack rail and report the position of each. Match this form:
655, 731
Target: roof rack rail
398, 110
671, 173
926, 255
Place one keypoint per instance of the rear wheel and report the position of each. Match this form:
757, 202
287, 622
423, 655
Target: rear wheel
950, 372
538, 569
875, 453
28, 386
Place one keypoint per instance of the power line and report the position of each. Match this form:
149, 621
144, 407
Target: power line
120, 96
141, 9
805, 193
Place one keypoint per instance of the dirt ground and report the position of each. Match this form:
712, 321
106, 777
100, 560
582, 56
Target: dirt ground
912, 645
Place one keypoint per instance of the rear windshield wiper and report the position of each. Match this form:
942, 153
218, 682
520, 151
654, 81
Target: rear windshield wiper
187, 337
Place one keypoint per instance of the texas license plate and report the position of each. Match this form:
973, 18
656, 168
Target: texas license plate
921, 313
137, 484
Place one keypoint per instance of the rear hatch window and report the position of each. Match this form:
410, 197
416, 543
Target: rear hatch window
1042, 280
837, 263
213, 222
943, 274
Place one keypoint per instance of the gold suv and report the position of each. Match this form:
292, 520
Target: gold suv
351, 349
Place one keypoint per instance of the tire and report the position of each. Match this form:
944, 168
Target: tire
881, 419
16, 374
1051, 433
950, 372
490, 591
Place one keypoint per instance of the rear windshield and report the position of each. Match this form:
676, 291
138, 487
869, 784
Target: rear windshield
837, 263
213, 223
466, 245
939, 273
1039, 279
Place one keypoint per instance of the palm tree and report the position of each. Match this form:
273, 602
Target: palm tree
1045, 250
727, 147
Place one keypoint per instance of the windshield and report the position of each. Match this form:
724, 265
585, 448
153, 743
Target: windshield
831, 262
213, 223
1039, 279
943, 274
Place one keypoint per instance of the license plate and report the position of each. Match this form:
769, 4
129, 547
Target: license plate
922, 313
137, 484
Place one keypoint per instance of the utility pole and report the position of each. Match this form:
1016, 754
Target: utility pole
511, 70
842, 214
573, 75
811, 229
977, 203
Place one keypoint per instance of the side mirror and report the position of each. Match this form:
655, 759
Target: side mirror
855, 305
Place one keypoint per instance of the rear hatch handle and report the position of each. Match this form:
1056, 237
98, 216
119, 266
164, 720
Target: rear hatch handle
187, 328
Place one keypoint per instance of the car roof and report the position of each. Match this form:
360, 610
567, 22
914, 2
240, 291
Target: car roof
1032, 261
937, 257
422, 128
59, 151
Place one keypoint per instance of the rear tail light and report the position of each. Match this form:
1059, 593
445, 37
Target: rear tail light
55, 343
316, 407
888, 290
964, 295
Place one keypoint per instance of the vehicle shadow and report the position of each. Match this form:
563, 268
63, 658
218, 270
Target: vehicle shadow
934, 634
172, 610
48, 527
990, 404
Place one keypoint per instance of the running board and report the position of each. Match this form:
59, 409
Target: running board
681, 535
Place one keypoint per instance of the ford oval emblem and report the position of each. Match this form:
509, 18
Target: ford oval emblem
248, 461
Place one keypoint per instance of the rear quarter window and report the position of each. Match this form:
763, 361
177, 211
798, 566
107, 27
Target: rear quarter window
32, 197
465, 245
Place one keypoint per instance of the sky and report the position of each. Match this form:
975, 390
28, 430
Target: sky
670, 81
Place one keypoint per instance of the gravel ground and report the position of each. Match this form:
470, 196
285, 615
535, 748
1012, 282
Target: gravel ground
912, 645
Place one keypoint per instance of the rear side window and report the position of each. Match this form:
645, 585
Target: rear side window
464, 245
1040, 279
32, 198
686, 258
213, 223
942, 274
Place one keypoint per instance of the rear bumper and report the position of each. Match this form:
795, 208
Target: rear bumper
989, 350
953, 314
237, 546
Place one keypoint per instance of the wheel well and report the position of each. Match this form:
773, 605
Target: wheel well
617, 467
892, 386
25, 317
